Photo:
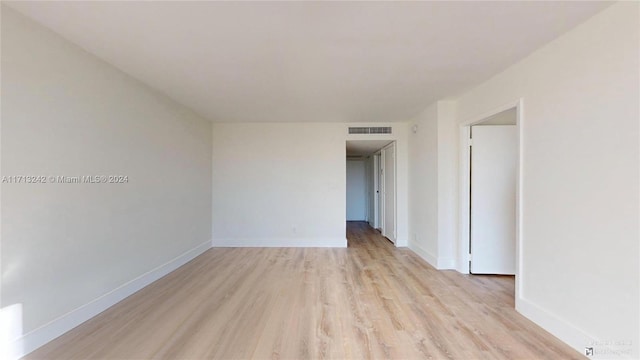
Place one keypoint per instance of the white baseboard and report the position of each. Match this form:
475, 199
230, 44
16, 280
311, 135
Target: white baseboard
280, 242
567, 332
446, 263
424, 254
462, 265
442, 263
401, 241
44, 334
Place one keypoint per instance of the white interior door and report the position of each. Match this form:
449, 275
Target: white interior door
375, 222
389, 192
380, 194
494, 155
367, 190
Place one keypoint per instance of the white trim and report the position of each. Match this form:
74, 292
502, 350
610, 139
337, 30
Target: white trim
480, 118
519, 197
281, 242
424, 254
439, 263
463, 207
559, 327
463, 243
55, 328
446, 263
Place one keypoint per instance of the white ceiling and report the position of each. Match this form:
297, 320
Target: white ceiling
365, 147
309, 61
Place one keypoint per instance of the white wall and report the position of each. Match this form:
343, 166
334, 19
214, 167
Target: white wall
423, 185
433, 154
448, 134
279, 184
284, 184
580, 271
66, 113
356, 190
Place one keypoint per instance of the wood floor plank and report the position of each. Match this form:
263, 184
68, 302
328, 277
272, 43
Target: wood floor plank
370, 300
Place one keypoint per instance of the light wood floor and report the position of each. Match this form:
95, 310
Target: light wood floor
370, 301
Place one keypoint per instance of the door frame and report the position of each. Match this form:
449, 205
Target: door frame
465, 183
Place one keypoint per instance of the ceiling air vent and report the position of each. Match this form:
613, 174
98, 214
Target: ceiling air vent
370, 130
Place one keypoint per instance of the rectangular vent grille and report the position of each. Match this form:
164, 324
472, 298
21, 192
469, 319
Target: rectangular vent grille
370, 130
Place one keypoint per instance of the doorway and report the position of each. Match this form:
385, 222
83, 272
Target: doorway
490, 182
492, 208
371, 170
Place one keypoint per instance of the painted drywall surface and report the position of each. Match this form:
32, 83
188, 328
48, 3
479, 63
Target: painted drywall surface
356, 191
580, 169
434, 184
448, 135
65, 113
423, 185
284, 184
279, 183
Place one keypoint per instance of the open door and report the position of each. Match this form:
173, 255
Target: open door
376, 192
389, 177
494, 155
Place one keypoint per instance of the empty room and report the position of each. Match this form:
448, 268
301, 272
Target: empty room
319, 180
